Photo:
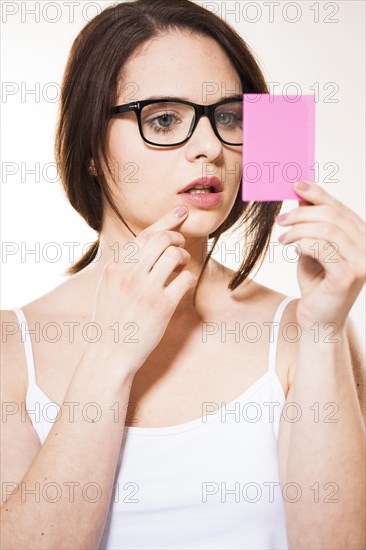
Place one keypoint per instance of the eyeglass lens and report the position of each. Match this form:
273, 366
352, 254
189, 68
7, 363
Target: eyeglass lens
169, 122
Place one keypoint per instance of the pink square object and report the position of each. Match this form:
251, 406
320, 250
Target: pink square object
278, 145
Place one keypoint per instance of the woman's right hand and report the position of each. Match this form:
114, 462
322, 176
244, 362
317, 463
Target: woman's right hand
134, 303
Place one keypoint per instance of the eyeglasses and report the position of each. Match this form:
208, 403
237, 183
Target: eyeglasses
171, 121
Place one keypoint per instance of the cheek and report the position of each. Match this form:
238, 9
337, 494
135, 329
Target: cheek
232, 171
118, 143
237, 161
139, 172
136, 167
127, 157
156, 170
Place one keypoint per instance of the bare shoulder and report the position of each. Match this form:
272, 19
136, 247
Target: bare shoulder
19, 442
13, 370
260, 303
56, 305
288, 334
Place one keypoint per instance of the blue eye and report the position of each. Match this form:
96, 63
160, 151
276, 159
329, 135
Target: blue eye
166, 118
231, 118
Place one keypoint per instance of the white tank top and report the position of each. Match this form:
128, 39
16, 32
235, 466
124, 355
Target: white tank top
211, 483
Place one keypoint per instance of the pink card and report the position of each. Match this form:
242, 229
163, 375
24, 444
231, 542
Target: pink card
278, 145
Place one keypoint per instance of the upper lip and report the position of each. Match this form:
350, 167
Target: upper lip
209, 182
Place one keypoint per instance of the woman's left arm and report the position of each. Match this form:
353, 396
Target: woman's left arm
322, 434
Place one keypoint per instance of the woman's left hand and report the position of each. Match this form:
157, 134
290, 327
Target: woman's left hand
331, 270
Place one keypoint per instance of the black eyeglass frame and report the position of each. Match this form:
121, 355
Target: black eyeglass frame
200, 110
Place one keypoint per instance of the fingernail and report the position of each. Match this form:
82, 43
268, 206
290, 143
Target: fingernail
181, 211
282, 237
302, 185
280, 218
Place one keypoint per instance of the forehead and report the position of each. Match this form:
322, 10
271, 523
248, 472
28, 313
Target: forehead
180, 65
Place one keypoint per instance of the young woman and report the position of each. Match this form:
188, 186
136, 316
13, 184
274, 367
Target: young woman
144, 423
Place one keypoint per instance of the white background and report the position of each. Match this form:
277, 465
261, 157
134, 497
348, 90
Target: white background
318, 45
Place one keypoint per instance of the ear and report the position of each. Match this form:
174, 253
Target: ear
92, 168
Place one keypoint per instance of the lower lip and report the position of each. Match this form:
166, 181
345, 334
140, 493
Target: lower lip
203, 199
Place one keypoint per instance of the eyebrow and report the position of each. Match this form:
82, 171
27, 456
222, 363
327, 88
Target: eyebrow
168, 97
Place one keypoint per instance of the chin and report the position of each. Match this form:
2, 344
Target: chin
197, 230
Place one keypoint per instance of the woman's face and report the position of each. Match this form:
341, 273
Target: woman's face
149, 178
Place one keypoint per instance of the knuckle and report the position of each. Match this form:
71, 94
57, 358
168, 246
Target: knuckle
145, 235
161, 238
186, 255
328, 228
337, 212
328, 211
181, 237
173, 253
191, 278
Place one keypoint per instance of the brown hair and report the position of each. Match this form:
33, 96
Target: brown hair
90, 87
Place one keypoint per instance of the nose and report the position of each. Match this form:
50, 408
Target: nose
204, 140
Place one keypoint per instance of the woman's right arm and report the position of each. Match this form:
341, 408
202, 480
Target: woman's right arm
75, 465
77, 462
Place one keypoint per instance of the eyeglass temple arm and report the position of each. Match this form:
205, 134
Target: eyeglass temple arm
124, 108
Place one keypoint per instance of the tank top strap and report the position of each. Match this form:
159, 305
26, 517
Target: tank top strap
274, 331
27, 345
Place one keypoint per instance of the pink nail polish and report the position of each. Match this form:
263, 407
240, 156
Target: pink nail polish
282, 237
181, 211
302, 185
